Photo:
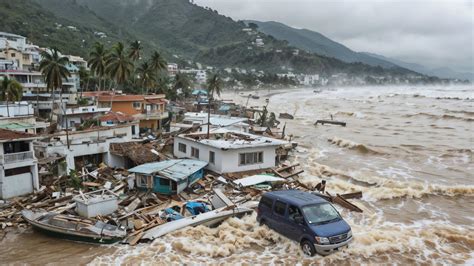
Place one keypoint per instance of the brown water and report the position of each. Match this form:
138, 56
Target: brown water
409, 149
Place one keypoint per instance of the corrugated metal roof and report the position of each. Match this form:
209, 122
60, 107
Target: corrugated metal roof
173, 169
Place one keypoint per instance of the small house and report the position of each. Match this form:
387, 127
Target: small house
229, 151
168, 177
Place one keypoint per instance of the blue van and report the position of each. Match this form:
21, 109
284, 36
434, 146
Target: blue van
306, 218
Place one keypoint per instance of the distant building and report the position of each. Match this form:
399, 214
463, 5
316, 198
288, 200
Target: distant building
229, 151
172, 69
259, 42
18, 164
150, 110
201, 77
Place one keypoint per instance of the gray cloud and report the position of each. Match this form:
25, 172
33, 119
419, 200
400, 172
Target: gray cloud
436, 33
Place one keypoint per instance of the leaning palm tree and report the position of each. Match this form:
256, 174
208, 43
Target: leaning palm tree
119, 67
134, 51
54, 70
158, 63
147, 76
10, 89
214, 86
97, 61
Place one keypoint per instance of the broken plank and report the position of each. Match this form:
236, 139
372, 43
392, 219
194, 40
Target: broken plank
346, 204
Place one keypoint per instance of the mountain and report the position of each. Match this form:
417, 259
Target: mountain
445, 72
179, 29
317, 43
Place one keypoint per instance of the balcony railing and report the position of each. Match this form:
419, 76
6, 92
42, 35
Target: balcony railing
16, 157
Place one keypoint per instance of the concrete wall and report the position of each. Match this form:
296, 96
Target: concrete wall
226, 161
16, 185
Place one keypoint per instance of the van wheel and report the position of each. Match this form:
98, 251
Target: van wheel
308, 248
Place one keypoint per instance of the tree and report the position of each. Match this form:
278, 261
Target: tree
134, 51
253, 26
147, 76
10, 89
54, 70
158, 63
118, 65
214, 86
181, 82
97, 61
85, 77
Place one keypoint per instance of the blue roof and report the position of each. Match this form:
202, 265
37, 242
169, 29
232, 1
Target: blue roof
173, 169
296, 197
197, 92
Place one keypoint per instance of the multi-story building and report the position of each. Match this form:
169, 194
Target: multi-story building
148, 109
172, 69
18, 164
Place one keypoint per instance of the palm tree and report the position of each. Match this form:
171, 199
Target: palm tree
158, 63
97, 61
134, 51
182, 82
85, 77
119, 66
54, 70
147, 76
10, 89
214, 85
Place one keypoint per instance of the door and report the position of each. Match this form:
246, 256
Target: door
278, 217
294, 229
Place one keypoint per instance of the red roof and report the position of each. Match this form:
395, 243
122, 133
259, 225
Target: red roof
121, 98
96, 93
116, 117
6, 134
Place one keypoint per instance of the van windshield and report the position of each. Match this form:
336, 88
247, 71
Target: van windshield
320, 213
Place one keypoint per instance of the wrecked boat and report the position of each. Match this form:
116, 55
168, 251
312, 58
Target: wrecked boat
210, 218
74, 228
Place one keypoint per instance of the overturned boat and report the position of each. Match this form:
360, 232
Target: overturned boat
74, 228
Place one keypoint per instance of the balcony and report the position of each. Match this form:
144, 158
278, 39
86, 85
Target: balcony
152, 115
17, 157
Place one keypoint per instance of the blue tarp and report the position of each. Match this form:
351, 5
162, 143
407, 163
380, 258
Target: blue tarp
224, 108
196, 208
172, 215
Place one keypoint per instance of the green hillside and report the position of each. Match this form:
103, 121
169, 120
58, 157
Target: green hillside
317, 43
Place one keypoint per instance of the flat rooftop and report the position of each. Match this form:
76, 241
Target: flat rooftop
229, 139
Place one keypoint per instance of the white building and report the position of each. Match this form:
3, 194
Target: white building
19, 116
259, 42
229, 151
88, 146
18, 165
201, 77
72, 117
172, 69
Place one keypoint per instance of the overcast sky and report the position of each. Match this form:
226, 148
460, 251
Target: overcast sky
434, 33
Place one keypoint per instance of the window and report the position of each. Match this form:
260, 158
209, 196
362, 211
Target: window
267, 202
250, 158
17, 171
137, 105
194, 152
212, 157
13, 55
280, 208
164, 182
293, 212
182, 147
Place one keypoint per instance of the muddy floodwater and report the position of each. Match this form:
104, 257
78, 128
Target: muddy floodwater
408, 149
